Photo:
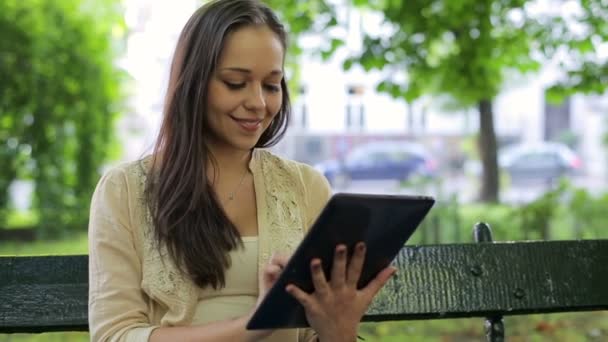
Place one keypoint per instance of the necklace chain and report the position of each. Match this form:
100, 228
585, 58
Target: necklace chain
233, 193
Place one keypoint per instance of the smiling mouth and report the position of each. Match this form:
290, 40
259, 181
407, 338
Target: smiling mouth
250, 125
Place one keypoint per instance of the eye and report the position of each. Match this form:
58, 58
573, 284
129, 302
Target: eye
273, 88
234, 86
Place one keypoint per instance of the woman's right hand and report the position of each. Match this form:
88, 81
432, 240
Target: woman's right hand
335, 308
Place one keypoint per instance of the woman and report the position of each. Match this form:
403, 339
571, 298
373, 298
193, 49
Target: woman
177, 239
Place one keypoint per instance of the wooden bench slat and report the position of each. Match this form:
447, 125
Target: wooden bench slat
39, 308
43, 294
487, 279
62, 269
49, 293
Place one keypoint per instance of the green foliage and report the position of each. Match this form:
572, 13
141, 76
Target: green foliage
461, 48
59, 96
300, 18
588, 214
582, 36
468, 50
22, 219
536, 216
565, 212
75, 244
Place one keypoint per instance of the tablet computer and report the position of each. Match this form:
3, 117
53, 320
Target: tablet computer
383, 222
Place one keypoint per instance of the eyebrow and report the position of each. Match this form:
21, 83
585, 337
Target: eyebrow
247, 71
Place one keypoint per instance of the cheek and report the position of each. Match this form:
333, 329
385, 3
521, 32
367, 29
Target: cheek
274, 105
221, 101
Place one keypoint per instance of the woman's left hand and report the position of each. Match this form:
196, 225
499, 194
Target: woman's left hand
270, 273
335, 308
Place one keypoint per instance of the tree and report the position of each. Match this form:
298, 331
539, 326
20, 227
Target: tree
300, 18
462, 49
467, 50
59, 96
582, 36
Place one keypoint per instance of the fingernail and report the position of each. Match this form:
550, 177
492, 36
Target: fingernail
361, 246
316, 264
341, 249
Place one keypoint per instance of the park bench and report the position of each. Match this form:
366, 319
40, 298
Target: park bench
479, 279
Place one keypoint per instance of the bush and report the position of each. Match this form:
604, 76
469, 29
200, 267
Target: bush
59, 96
565, 212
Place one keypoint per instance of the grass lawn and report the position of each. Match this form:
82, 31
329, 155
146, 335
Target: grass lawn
570, 327
50, 337
75, 245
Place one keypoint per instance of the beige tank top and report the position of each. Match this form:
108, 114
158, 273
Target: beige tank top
239, 295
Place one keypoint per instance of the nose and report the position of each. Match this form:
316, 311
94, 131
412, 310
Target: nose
255, 100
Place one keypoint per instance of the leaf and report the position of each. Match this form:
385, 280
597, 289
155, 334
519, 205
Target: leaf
382, 87
348, 64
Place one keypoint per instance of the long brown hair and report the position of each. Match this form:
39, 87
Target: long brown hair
186, 213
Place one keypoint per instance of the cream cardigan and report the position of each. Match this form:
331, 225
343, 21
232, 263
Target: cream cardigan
133, 288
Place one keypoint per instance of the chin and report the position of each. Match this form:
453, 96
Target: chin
245, 144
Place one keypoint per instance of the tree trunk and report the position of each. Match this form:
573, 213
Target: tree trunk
488, 153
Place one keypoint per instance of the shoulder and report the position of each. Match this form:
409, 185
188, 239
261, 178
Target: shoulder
130, 169
311, 183
124, 177
302, 171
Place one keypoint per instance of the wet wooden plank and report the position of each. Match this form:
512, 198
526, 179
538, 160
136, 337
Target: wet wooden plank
40, 294
487, 279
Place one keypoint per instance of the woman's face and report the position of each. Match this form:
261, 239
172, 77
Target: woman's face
245, 92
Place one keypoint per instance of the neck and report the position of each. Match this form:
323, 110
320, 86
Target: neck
230, 163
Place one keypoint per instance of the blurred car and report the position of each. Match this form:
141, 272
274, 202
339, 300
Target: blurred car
379, 161
539, 162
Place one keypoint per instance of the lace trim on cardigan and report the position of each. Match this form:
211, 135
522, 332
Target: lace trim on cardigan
161, 278
284, 204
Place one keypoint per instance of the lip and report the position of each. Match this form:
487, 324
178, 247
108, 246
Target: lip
247, 124
247, 119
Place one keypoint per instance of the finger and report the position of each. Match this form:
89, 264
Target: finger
279, 259
269, 277
355, 265
272, 271
318, 277
379, 281
301, 296
338, 269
